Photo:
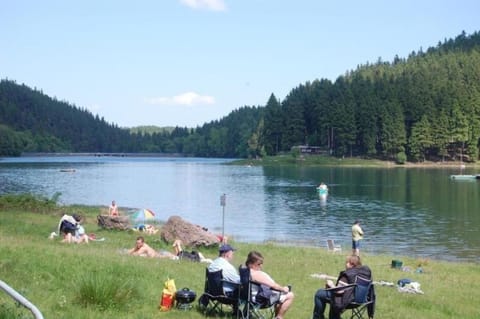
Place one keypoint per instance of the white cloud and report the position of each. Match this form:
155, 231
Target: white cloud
214, 5
188, 98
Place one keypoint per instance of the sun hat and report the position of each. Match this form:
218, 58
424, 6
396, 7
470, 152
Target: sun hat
225, 248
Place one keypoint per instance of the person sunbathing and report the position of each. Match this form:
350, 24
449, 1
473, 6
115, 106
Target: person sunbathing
180, 253
177, 251
142, 249
150, 229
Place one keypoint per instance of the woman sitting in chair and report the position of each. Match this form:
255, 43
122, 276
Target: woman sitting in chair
353, 268
281, 296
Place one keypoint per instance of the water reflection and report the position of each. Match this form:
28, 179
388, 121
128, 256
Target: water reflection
418, 212
412, 211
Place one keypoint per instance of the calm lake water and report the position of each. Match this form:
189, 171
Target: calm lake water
415, 212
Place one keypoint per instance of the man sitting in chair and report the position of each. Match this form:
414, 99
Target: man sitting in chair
222, 262
353, 268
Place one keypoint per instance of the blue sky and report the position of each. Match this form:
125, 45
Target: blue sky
188, 62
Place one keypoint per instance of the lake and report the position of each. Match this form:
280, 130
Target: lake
418, 212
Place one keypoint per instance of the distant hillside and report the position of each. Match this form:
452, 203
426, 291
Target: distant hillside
39, 123
151, 129
424, 106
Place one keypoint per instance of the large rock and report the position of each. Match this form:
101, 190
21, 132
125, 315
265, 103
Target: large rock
113, 222
191, 235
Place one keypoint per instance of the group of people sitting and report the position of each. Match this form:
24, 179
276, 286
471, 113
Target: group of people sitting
71, 229
281, 296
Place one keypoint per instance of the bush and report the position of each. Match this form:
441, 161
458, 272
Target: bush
105, 292
30, 202
401, 158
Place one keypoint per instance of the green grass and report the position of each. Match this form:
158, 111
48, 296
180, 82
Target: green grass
313, 160
325, 160
97, 281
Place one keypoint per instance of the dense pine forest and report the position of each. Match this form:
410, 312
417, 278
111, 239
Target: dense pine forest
423, 107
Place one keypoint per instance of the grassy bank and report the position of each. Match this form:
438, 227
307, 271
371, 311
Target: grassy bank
324, 160
98, 281
320, 160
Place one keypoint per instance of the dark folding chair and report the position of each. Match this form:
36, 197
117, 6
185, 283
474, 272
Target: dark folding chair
364, 299
214, 297
250, 306
358, 297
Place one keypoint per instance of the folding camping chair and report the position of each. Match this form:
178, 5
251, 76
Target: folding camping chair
360, 296
250, 306
214, 296
364, 299
332, 246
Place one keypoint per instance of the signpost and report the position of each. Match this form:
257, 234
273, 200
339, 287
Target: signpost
223, 203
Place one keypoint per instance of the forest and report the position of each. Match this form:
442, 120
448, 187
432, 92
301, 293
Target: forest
422, 107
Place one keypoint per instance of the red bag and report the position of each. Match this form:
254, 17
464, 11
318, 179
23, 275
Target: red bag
168, 295
166, 302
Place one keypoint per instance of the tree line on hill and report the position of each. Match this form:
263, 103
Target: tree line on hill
424, 107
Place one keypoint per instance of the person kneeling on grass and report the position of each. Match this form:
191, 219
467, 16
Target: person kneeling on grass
67, 226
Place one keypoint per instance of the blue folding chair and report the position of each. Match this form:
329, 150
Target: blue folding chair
214, 297
364, 299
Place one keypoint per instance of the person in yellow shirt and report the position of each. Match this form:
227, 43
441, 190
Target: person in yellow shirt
357, 236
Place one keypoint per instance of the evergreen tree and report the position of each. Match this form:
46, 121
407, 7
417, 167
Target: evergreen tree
273, 126
441, 134
343, 128
420, 139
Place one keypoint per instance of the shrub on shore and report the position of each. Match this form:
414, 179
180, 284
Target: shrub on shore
30, 202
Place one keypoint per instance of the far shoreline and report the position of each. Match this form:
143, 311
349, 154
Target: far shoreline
277, 160
284, 243
327, 161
